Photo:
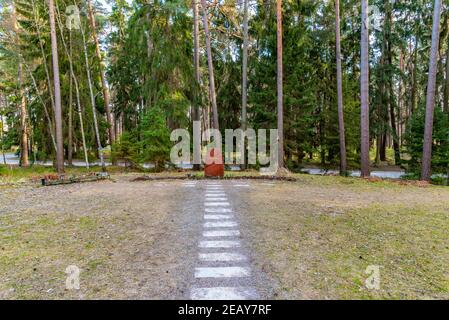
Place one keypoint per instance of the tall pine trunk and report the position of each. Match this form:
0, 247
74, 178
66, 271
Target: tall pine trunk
196, 62
24, 157
364, 92
57, 91
446, 87
390, 89
92, 101
2, 101
280, 88
212, 91
245, 75
341, 121
70, 126
400, 97
69, 54
24, 147
414, 102
106, 93
430, 102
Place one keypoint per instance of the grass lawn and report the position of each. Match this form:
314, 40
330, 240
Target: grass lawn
318, 236
314, 238
117, 234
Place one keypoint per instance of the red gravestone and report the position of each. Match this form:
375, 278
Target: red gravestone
214, 167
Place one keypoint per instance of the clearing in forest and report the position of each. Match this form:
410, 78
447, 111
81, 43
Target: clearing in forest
311, 239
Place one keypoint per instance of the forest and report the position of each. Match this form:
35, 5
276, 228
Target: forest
98, 200
349, 84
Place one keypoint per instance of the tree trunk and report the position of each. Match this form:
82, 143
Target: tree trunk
58, 108
24, 157
70, 126
391, 100
106, 94
396, 147
24, 153
92, 101
430, 103
364, 92
414, 101
80, 116
3, 147
196, 62
69, 54
280, 88
400, 104
341, 121
245, 76
383, 147
378, 146
446, 88
2, 100
381, 114
210, 63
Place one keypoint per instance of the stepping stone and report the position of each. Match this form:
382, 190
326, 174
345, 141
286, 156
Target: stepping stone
222, 257
217, 195
222, 272
219, 244
217, 204
223, 293
229, 224
218, 217
218, 210
221, 233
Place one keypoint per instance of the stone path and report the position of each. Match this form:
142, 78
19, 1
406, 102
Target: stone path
222, 271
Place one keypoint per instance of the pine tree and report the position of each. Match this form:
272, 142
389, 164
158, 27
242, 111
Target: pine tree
57, 85
430, 102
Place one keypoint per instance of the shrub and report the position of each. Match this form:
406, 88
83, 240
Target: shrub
155, 141
125, 149
415, 137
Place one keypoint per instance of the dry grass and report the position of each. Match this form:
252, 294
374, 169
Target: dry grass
317, 237
112, 232
314, 238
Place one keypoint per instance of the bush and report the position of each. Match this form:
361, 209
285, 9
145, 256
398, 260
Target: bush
155, 141
125, 149
415, 137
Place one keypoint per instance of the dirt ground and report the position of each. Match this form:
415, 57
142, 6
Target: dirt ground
126, 237
311, 239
